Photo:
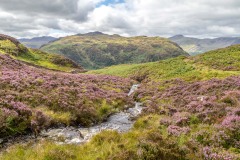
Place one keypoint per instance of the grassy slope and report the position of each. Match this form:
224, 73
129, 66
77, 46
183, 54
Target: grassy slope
37, 57
226, 59
93, 51
215, 64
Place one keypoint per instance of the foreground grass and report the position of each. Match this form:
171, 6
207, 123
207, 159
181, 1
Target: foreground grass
106, 145
148, 140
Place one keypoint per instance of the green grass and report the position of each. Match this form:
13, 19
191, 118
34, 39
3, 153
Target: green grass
102, 146
147, 140
37, 57
181, 67
7, 46
222, 59
57, 117
45, 60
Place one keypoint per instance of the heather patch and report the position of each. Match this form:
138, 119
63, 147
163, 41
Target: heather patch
199, 114
191, 111
88, 99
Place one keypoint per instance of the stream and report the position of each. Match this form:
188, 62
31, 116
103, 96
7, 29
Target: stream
121, 122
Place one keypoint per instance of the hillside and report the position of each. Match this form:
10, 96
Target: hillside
196, 46
97, 50
214, 64
191, 111
34, 97
36, 42
12, 47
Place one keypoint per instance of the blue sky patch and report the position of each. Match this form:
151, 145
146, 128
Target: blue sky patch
109, 2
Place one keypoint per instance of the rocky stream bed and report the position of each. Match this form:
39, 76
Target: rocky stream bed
121, 122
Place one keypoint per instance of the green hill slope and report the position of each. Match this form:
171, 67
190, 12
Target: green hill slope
15, 49
97, 50
214, 64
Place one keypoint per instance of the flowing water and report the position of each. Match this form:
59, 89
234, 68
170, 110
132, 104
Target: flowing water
121, 122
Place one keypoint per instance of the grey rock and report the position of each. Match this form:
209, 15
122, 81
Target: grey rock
1, 141
121, 122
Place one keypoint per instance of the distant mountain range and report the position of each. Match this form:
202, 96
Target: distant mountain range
36, 42
97, 50
191, 45
196, 46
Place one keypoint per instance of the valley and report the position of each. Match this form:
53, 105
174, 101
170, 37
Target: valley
196, 46
189, 108
120, 80
36, 42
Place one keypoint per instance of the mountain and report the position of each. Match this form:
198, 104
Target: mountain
97, 50
36, 42
12, 47
196, 46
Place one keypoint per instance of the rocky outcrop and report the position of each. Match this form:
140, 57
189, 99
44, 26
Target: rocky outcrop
5, 37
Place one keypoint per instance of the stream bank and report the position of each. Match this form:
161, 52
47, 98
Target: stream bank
121, 122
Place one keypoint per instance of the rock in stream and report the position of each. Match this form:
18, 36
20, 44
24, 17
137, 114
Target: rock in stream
121, 122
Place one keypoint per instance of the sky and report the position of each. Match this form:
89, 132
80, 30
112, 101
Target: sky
58, 18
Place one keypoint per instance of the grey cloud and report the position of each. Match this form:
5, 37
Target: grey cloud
28, 16
200, 18
49, 23
69, 9
8, 23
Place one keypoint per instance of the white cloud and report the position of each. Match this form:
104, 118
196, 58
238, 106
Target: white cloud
222, 29
201, 18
